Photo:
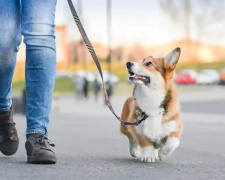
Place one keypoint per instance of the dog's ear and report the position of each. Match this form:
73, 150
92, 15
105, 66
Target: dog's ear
172, 58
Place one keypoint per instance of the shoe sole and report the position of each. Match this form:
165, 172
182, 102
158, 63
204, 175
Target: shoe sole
42, 159
8, 147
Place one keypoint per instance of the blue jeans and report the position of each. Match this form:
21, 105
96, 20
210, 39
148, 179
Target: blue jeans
34, 19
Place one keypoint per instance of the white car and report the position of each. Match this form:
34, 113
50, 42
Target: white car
208, 76
81, 74
107, 77
63, 74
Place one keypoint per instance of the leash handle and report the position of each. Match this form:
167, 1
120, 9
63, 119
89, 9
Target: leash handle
96, 60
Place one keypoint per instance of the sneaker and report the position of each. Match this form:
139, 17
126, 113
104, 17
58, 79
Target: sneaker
9, 140
39, 149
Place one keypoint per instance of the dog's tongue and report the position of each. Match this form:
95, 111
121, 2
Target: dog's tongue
136, 76
140, 77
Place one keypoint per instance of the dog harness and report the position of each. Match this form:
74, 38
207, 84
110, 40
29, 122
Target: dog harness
140, 115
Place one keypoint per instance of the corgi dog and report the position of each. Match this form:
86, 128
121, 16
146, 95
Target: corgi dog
154, 95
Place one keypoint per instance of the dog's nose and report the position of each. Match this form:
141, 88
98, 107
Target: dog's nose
129, 64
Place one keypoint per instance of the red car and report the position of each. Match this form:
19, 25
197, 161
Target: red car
222, 76
186, 76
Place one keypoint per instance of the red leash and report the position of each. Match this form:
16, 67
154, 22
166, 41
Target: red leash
95, 58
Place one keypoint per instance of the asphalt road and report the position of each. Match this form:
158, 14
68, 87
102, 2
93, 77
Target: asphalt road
212, 107
89, 145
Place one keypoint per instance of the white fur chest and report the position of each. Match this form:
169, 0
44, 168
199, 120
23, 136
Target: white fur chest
153, 129
149, 101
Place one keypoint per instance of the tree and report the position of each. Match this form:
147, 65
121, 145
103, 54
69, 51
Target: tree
197, 15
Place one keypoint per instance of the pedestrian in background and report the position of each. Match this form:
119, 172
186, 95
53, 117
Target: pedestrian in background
85, 87
78, 86
96, 88
34, 19
109, 90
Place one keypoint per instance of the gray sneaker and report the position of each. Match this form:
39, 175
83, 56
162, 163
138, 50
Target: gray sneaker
39, 150
9, 140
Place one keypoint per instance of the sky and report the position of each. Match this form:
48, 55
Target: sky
133, 21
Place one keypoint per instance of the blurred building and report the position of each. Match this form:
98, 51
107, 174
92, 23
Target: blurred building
78, 52
191, 51
70, 47
61, 49
61, 31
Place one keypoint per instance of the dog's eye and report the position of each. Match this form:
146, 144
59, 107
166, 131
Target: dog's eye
148, 64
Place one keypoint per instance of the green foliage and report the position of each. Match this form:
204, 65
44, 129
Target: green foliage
121, 72
198, 66
64, 85
123, 89
18, 87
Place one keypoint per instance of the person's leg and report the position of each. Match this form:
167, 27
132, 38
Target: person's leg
38, 31
10, 38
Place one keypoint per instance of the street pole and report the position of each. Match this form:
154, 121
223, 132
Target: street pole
109, 33
79, 7
109, 59
80, 12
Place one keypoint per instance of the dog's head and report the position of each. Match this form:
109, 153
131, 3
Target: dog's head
154, 72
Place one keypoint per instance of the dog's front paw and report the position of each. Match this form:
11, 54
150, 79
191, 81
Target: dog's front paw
163, 155
135, 149
149, 154
171, 144
149, 159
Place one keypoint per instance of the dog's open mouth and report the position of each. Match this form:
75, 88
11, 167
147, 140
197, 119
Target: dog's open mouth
132, 76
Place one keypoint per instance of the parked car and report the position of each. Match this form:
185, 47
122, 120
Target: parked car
107, 77
63, 74
175, 76
208, 76
222, 76
85, 74
186, 76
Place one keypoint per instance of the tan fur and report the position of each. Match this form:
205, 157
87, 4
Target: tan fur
173, 106
128, 113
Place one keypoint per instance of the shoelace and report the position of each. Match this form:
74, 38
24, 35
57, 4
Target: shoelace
41, 140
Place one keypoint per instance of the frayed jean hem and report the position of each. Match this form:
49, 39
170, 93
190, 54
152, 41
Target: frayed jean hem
33, 131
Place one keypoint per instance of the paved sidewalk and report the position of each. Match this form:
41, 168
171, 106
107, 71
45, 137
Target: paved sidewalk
215, 93
89, 146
